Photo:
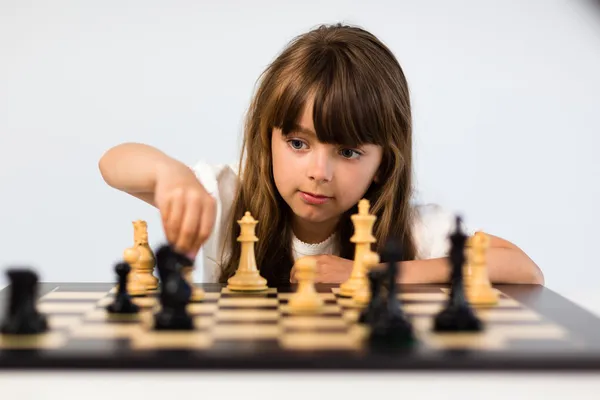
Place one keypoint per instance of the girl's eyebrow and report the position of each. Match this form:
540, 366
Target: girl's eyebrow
300, 129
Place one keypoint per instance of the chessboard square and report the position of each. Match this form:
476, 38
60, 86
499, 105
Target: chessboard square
107, 331
320, 341
423, 324
534, 332
101, 315
441, 297
500, 294
313, 322
202, 308
246, 331
151, 340
423, 296
506, 315
228, 291
62, 321
248, 302
50, 307
463, 340
422, 308
326, 309
144, 302
247, 315
203, 322
507, 302
46, 340
327, 296
57, 295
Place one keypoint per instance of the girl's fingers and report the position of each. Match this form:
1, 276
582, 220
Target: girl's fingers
205, 225
175, 218
189, 227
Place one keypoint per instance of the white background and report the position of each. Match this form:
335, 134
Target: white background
506, 99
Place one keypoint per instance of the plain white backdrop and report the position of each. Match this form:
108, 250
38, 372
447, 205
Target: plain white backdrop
506, 99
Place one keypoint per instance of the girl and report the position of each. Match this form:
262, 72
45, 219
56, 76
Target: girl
330, 124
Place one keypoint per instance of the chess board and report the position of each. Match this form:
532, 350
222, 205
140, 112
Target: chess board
531, 327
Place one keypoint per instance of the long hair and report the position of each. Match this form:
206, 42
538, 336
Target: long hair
360, 97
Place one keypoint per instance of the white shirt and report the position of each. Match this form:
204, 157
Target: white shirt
431, 225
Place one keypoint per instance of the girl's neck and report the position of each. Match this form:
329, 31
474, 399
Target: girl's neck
312, 233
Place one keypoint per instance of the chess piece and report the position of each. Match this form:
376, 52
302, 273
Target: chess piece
122, 303
305, 299
22, 316
144, 267
457, 314
363, 237
247, 276
362, 294
175, 291
479, 290
134, 286
467, 267
388, 323
376, 302
393, 255
197, 293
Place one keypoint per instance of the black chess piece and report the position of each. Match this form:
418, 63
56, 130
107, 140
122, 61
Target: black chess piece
391, 325
393, 254
22, 316
457, 315
122, 303
175, 291
368, 314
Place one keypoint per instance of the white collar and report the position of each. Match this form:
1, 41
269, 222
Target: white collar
311, 249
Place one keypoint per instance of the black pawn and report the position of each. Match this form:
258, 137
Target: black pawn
22, 316
392, 325
457, 316
122, 303
175, 291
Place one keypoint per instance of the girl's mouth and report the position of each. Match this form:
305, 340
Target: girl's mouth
312, 198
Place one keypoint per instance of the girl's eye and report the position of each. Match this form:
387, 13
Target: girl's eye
296, 144
348, 153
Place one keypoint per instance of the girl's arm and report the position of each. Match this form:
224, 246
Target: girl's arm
187, 210
506, 263
134, 168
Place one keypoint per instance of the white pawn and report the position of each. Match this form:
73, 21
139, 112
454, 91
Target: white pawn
306, 299
479, 290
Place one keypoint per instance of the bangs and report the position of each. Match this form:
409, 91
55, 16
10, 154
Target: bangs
345, 111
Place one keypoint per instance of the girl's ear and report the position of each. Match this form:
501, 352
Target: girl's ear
376, 178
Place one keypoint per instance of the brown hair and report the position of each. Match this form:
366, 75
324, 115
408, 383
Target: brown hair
360, 96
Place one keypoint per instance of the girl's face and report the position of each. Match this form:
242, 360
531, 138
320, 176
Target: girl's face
320, 181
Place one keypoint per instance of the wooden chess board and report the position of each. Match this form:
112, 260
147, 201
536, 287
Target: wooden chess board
531, 328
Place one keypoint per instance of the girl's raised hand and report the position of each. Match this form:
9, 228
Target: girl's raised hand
187, 209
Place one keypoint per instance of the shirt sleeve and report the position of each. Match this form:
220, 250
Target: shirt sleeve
432, 226
220, 181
